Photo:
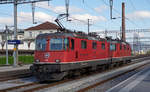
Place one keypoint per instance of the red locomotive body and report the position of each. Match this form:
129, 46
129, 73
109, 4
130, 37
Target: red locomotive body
58, 54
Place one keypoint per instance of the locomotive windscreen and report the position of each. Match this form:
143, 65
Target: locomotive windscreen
56, 44
59, 44
41, 44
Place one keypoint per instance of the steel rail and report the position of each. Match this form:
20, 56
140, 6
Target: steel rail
109, 79
63, 81
14, 77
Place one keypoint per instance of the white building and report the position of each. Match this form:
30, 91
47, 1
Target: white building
29, 35
10, 36
46, 27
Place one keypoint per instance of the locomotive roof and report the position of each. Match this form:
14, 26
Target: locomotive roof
73, 34
79, 35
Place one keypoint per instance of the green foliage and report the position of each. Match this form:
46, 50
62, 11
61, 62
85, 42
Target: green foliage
22, 59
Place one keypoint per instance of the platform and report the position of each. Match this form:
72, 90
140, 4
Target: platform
6, 71
140, 82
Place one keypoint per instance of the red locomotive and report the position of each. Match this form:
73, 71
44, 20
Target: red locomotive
62, 53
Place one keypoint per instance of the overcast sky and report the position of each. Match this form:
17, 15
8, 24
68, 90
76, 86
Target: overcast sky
137, 14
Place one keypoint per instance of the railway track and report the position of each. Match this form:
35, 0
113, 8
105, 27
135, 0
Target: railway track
109, 79
14, 77
33, 86
36, 86
9, 73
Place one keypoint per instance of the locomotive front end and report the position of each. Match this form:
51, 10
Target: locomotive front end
50, 53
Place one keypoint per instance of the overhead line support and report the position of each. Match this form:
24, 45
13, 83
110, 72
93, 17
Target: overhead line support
15, 3
123, 22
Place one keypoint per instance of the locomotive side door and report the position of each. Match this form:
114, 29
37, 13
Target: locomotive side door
110, 51
72, 54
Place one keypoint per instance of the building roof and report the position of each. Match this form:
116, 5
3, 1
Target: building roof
44, 26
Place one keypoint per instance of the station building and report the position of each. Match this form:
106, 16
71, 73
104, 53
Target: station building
27, 36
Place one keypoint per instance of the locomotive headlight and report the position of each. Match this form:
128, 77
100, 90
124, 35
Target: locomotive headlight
37, 60
57, 61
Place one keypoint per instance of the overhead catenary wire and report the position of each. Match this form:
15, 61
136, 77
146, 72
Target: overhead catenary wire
132, 5
21, 17
49, 10
82, 21
134, 8
119, 14
148, 1
93, 9
85, 21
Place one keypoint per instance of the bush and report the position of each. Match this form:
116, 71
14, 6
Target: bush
22, 59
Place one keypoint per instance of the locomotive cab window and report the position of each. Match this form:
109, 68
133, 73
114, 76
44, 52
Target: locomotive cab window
103, 45
66, 43
83, 44
120, 47
112, 47
72, 44
94, 45
59, 44
41, 44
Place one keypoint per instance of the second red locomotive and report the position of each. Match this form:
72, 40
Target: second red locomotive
59, 54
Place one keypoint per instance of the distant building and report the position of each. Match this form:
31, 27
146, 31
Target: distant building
28, 35
10, 36
46, 27
31, 33
3, 38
